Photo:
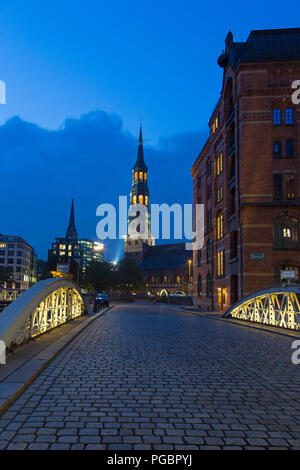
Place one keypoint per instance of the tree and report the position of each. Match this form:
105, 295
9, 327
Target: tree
98, 276
129, 276
5, 274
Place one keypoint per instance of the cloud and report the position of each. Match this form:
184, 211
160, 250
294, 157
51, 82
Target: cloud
90, 159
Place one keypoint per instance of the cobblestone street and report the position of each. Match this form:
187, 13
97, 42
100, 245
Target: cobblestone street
160, 378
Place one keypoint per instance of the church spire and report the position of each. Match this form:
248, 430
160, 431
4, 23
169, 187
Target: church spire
71, 231
140, 163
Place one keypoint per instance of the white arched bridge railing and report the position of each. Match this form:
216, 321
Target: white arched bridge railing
44, 306
276, 306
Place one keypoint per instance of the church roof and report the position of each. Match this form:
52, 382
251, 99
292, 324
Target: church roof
172, 256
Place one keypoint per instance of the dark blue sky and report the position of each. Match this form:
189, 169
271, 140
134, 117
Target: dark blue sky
80, 74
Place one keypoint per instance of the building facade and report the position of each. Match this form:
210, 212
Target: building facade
247, 174
90, 251
167, 268
17, 255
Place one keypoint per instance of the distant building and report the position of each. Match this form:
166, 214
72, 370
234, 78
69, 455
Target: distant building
68, 247
167, 268
82, 251
90, 250
247, 174
17, 255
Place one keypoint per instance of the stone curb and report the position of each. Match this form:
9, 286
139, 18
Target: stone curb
16, 383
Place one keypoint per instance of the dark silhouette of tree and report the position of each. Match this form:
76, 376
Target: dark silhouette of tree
129, 277
5, 274
98, 276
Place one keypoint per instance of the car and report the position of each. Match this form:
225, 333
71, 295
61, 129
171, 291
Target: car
102, 299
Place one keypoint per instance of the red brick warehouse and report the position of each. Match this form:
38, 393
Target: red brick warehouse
247, 174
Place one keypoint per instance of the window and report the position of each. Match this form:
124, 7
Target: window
209, 285
219, 164
2, 261
220, 263
290, 186
215, 124
219, 226
277, 153
165, 278
136, 176
208, 219
145, 176
152, 279
141, 199
278, 186
146, 200
199, 286
208, 251
277, 117
219, 194
199, 257
286, 233
289, 148
178, 279
289, 116
134, 199
141, 175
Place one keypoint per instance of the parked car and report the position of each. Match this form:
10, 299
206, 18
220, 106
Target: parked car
102, 299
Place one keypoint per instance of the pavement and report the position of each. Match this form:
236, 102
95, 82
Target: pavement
26, 362
160, 378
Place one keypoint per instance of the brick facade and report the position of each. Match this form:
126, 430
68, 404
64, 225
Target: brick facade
247, 173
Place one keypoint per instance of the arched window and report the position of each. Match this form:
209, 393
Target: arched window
134, 200
145, 176
146, 200
286, 233
199, 286
152, 279
141, 199
165, 278
136, 176
209, 285
141, 175
178, 279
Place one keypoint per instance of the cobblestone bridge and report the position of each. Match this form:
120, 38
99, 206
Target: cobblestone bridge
160, 378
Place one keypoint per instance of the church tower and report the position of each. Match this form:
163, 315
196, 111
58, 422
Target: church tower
136, 247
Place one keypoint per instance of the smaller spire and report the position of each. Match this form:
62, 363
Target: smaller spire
71, 231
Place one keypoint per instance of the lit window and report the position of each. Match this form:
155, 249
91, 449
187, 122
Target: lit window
145, 176
289, 116
136, 176
286, 232
277, 117
146, 200
141, 175
178, 279
134, 199
141, 199
219, 164
220, 263
219, 227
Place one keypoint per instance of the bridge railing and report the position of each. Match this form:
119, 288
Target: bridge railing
275, 306
46, 305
